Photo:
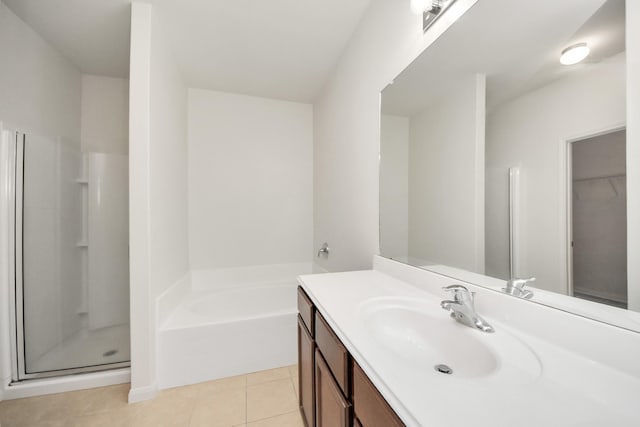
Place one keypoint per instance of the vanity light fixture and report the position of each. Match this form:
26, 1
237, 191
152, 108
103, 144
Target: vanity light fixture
430, 10
574, 54
419, 6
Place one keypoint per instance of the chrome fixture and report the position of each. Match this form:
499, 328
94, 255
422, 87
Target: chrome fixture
324, 250
430, 10
516, 288
462, 308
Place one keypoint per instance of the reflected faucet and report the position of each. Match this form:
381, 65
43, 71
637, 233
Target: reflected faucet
462, 308
516, 288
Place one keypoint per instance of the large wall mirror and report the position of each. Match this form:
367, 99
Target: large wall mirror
499, 162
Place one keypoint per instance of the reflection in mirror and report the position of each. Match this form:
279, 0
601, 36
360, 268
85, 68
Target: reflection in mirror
498, 160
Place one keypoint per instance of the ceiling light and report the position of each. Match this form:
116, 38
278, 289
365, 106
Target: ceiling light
419, 6
574, 54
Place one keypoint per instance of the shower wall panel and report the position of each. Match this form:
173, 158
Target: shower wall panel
108, 240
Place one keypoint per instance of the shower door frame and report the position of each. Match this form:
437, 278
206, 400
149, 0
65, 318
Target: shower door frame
15, 202
8, 205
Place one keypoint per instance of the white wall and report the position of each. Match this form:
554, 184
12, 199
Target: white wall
141, 316
394, 186
250, 181
347, 129
158, 187
168, 180
40, 88
446, 179
531, 132
105, 115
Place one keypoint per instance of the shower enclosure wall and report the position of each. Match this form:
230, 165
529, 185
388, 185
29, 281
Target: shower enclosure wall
66, 232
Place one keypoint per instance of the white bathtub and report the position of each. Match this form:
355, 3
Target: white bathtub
220, 330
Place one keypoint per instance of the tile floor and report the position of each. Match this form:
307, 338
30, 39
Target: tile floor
262, 399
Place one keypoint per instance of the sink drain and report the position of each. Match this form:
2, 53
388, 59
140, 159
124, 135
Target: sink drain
109, 353
443, 369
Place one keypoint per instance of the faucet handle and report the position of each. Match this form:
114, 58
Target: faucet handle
454, 288
516, 286
520, 283
460, 293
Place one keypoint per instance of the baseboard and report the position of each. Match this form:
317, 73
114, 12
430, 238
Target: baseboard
141, 394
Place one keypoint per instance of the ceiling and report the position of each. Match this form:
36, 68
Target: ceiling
284, 49
516, 44
93, 34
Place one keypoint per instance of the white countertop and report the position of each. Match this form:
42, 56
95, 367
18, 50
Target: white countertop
567, 390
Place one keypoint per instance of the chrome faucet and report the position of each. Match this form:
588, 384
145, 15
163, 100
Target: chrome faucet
516, 288
462, 308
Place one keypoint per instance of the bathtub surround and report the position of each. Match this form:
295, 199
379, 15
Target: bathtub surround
169, 300
225, 278
250, 181
218, 323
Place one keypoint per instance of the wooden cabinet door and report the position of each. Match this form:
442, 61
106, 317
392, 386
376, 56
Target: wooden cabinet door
332, 408
306, 366
370, 407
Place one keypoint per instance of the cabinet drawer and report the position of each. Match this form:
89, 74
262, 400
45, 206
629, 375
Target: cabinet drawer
332, 408
306, 310
369, 405
334, 353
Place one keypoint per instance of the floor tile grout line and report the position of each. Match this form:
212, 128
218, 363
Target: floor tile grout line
246, 401
267, 382
272, 416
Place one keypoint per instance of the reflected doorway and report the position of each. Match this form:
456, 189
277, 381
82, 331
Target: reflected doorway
598, 200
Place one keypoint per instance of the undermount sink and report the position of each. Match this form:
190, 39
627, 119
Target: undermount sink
423, 334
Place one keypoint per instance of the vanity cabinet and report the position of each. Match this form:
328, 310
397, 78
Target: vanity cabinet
333, 389
306, 359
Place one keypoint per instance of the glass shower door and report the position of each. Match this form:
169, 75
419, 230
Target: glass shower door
71, 252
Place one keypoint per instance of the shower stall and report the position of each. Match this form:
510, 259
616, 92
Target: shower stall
65, 256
